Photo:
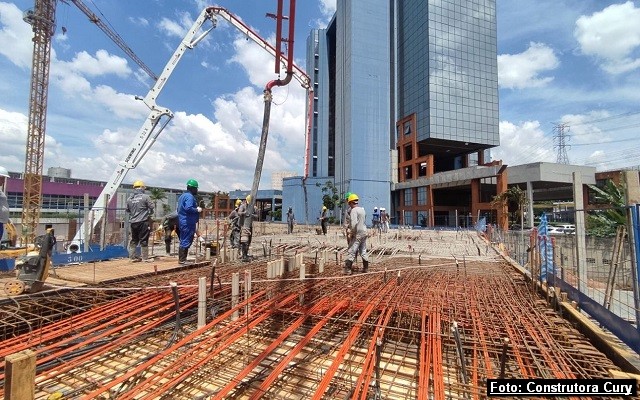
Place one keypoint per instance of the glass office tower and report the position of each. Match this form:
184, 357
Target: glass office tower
405, 89
447, 75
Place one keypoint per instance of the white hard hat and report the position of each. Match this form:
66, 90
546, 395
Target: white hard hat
4, 172
383, 209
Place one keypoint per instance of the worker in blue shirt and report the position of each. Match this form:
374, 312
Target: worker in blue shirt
188, 216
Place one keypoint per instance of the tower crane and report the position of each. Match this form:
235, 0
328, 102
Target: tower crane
42, 19
159, 117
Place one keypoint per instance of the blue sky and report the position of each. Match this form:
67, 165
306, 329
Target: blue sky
573, 62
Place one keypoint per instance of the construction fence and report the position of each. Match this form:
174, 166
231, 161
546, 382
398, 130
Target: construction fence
599, 273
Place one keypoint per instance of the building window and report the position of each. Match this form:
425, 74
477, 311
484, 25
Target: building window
408, 172
408, 197
407, 128
408, 152
422, 218
422, 169
407, 217
422, 196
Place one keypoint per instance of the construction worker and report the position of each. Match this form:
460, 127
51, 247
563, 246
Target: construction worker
246, 227
375, 220
140, 210
234, 219
4, 203
188, 216
346, 220
384, 220
291, 220
324, 220
358, 232
170, 225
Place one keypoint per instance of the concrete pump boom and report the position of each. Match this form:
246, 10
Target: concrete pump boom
159, 117
156, 121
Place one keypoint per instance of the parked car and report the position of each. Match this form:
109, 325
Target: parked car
554, 230
568, 226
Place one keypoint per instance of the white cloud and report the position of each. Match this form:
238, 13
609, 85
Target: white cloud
581, 131
16, 32
518, 71
139, 21
177, 28
13, 130
327, 7
258, 64
522, 144
121, 104
288, 120
102, 64
613, 36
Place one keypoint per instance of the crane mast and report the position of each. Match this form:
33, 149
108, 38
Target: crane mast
42, 21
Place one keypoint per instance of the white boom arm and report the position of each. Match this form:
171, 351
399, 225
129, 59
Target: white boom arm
152, 126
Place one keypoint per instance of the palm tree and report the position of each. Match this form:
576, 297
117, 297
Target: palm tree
156, 195
516, 201
605, 222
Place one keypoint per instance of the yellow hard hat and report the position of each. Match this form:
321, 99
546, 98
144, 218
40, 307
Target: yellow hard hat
324, 208
238, 202
352, 197
138, 184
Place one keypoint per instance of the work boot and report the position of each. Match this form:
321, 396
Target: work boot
132, 253
365, 266
245, 251
347, 267
144, 251
182, 255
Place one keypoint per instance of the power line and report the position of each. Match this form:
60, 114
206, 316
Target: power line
616, 128
611, 141
607, 118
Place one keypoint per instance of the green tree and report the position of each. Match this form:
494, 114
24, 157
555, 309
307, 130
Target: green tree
516, 201
156, 195
276, 215
330, 197
166, 209
605, 222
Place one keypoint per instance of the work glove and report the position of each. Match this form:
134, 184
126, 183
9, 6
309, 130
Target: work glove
199, 209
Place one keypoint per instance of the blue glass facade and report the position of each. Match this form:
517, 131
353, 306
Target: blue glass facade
362, 101
404, 89
322, 145
448, 73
